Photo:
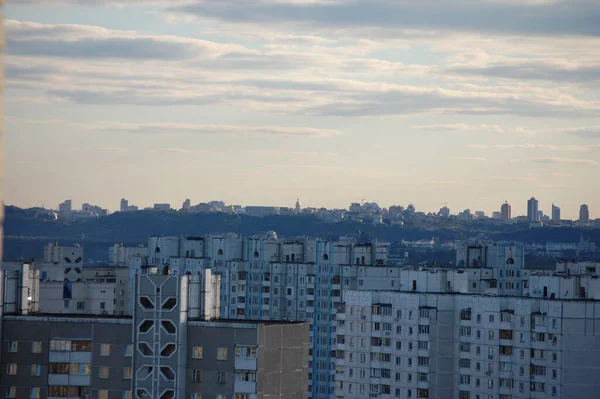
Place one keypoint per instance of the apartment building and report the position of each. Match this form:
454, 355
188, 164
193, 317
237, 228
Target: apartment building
412, 345
169, 348
269, 278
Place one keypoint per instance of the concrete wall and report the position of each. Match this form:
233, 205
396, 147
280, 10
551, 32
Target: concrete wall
283, 361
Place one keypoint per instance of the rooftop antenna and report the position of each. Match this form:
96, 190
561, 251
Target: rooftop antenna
362, 200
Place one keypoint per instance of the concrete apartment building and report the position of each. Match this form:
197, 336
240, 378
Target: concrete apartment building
268, 278
411, 345
169, 348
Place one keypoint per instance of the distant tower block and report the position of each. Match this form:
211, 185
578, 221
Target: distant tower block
298, 206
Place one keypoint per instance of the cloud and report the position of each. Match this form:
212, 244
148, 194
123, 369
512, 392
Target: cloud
169, 129
559, 160
480, 159
55, 61
555, 71
515, 178
461, 127
86, 41
558, 174
531, 146
445, 182
575, 17
183, 151
589, 132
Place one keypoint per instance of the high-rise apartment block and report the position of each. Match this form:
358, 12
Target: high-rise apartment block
505, 211
124, 205
410, 345
555, 213
584, 214
167, 349
532, 210
266, 278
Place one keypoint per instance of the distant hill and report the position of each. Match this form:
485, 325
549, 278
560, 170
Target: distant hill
27, 230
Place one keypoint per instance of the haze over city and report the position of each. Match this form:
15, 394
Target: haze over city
260, 102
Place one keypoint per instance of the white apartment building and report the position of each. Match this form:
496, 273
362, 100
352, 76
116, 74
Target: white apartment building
267, 278
412, 345
120, 255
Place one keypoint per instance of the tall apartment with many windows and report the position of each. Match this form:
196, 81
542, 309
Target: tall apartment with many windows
411, 345
166, 350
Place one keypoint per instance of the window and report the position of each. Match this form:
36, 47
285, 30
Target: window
197, 352
34, 393
80, 305
126, 395
196, 375
245, 351
11, 369
103, 394
221, 377
245, 376
465, 363
423, 345
36, 370
424, 329
78, 368
13, 346
423, 361
104, 349
11, 392
222, 354
103, 372
128, 350
127, 373
36, 347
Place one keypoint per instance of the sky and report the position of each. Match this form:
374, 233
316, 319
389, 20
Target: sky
259, 102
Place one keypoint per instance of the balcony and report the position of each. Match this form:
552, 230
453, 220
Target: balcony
245, 363
58, 379
506, 325
244, 386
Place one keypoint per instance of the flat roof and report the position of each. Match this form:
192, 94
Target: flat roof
108, 318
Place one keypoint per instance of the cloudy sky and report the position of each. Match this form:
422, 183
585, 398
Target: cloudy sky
469, 102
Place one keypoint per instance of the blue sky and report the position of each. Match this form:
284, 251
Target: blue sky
261, 101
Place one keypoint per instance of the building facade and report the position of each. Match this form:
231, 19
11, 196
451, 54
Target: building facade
505, 211
166, 350
555, 213
410, 345
532, 210
584, 214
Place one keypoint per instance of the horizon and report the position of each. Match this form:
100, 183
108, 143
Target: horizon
264, 101
77, 206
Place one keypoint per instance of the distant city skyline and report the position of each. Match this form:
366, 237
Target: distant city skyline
125, 204
260, 102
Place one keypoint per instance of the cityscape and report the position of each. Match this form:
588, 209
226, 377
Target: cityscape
371, 211
300, 199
